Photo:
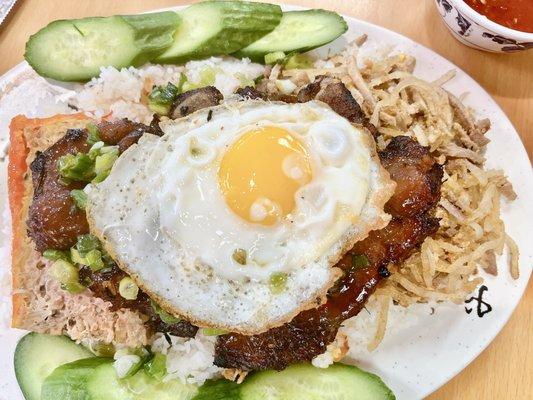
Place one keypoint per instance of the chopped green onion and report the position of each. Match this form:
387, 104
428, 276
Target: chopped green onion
79, 197
213, 332
278, 282
274, 58
103, 164
93, 134
104, 350
128, 289
165, 317
208, 76
54, 255
161, 97
77, 167
298, 61
94, 260
76, 257
64, 271
94, 151
73, 287
243, 80
360, 261
87, 243
157, 366
239, 256
127, 365
67, 275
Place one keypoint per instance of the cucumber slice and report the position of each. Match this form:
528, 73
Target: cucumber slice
37, 355
69, 381
104, 384
219, 27
75, 50
298, 31
220, 389
338, 382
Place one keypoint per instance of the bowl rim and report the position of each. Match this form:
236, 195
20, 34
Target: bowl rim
482, 20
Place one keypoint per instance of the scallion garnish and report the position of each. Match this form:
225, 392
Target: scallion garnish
161, 98
54, 255
360, 261
157, 366
67, 275
76, 167
128, 289
165, 317
79, 197
93, 134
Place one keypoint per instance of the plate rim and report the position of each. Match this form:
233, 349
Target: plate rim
18, 70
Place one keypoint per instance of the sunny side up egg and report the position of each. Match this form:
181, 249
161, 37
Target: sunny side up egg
235, 217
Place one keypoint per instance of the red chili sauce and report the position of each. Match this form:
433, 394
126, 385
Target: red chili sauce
514, 14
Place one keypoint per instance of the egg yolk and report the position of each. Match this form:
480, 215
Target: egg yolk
261, 172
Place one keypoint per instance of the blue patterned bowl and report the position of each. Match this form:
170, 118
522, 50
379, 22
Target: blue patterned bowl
477, 31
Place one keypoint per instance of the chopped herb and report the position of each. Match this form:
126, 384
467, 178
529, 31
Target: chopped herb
79, 167
360, 261
239, 256
157, 366
67, 275
93, 135
207, 78
213, 332
103, 164
104, 350
243, 80
79, 197
298, 61
86, 243
276, 57
73, 287
94, 260
162, 97
54, 255
88, 251
165, 317
278, 282
76, 257
128, 289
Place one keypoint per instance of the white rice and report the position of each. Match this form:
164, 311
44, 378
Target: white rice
119, 93
190, 360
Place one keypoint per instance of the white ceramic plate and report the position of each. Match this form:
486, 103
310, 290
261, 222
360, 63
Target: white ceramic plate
423, 351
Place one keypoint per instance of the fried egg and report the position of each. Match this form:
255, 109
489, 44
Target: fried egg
235, 218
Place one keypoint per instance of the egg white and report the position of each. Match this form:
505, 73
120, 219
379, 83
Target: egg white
162, 216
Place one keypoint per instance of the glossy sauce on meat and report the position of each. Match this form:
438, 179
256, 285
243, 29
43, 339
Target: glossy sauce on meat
54, 221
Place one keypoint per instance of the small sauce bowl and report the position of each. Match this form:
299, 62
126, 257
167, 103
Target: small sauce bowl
477, 31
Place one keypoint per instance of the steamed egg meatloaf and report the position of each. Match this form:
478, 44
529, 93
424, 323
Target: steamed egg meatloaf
254, 207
